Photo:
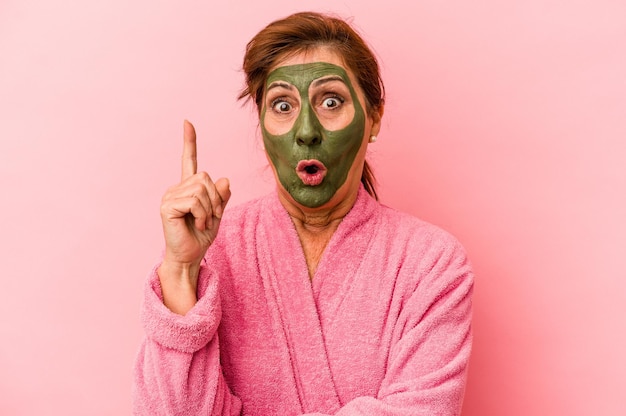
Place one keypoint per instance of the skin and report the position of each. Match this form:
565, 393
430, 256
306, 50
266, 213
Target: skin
316, 222
191, 210
319, 103
344, 196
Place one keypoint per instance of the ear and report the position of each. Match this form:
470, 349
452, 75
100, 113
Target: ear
377, 115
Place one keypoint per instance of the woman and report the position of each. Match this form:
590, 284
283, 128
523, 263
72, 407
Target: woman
314, 299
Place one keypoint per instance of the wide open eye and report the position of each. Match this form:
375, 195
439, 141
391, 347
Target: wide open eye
331, 103
281, 106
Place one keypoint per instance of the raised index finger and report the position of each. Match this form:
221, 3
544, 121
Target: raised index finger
189, 160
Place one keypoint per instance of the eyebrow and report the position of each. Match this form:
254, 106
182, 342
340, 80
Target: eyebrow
323, 81
278, 84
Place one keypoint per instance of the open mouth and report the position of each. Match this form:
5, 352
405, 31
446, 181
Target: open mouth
311, 172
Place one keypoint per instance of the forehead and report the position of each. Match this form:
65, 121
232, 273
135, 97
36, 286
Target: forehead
318, 54
301, 76
302, 68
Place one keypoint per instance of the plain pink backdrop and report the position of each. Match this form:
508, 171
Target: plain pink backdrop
505, 124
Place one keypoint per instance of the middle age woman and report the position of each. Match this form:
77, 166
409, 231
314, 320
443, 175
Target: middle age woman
315, 299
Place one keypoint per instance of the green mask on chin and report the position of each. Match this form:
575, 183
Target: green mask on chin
308, 140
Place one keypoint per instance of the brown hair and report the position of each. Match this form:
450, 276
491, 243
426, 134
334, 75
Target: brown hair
303, 31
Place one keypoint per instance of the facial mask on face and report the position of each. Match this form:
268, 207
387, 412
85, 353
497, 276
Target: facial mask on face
312, 158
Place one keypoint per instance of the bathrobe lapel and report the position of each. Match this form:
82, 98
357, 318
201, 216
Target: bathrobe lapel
342, 259
285, 278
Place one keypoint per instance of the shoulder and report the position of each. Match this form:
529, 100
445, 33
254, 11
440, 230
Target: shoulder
413, 231
422, 248
396, 233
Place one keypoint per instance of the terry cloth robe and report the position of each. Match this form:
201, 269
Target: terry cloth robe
383, 328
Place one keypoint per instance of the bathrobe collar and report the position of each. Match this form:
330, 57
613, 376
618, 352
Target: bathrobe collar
285, 275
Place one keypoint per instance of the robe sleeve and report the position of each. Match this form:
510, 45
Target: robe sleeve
177, 371
427, 368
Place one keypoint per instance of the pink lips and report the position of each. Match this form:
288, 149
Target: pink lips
311, 172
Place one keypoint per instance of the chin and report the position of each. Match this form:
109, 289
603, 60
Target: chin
312, 197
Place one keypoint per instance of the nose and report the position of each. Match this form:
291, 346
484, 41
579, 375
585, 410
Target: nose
308, 129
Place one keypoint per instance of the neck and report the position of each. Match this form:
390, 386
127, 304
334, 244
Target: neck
315, 227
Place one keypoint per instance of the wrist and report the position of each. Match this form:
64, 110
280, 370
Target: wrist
179, 282
181, 272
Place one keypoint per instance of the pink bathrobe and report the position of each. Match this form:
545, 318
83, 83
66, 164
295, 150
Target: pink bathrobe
383, 328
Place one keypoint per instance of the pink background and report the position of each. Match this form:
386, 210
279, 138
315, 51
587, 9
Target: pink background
505, 124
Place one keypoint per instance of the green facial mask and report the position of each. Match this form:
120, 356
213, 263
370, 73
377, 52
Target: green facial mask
309, 141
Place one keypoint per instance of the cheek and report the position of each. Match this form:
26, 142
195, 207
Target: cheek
348, 139
277, 150
278, 125
335, 120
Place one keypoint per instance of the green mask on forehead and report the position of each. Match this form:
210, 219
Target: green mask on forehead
309, 140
